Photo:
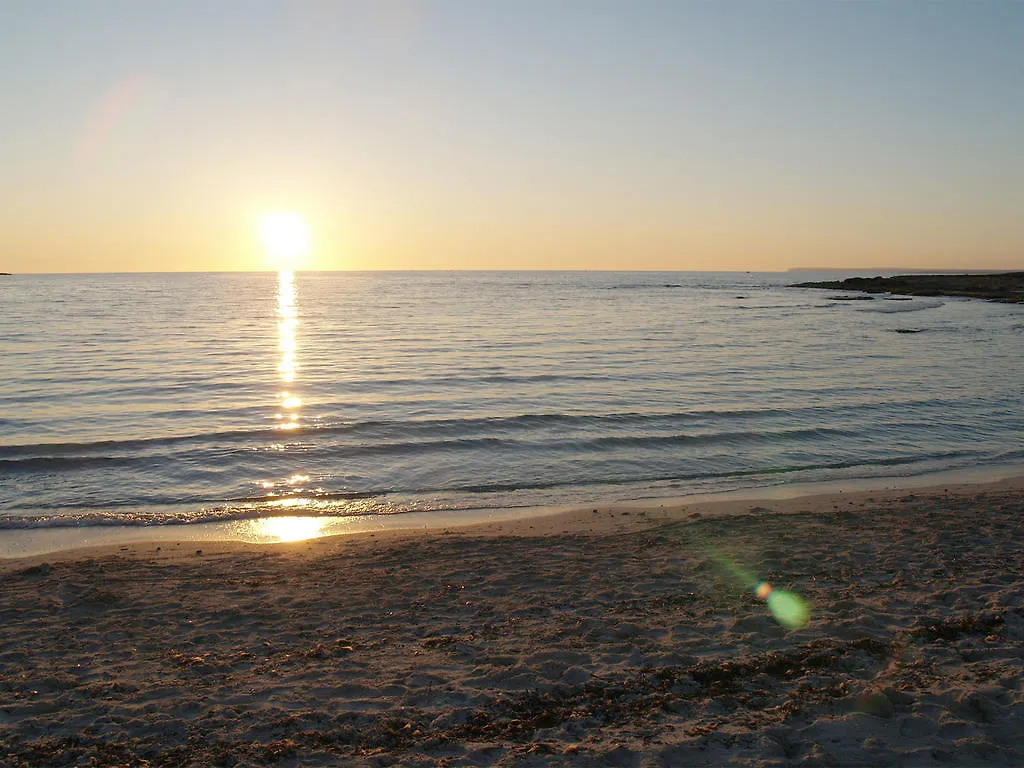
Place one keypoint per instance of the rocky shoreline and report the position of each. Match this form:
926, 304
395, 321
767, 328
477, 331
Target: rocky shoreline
1007, 287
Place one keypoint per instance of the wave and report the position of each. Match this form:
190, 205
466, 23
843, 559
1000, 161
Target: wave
340, 451
391, 436
67, 463
643, 286
890, 306
167, 503
465, 496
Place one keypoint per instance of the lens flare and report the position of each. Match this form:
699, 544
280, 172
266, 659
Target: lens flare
787, 608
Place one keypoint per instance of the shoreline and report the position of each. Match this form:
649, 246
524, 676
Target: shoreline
23, 543
617, 518
621, 636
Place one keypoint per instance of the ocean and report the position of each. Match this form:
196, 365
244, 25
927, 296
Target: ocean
147, 399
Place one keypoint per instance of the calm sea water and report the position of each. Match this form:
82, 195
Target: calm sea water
142, 399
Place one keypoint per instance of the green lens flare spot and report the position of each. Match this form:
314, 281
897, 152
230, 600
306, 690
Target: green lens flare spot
789, 609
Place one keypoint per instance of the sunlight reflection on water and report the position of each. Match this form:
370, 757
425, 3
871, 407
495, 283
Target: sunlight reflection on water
288, 403
287, 321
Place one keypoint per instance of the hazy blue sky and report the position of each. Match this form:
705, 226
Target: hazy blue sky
142, 134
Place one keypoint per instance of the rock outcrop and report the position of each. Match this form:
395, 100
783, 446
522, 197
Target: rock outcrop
1005, 287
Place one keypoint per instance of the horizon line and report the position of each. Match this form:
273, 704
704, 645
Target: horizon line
788, 270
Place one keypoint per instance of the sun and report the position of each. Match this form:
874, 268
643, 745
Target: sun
285, 238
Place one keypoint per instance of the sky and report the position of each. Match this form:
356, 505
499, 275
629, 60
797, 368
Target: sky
155, 135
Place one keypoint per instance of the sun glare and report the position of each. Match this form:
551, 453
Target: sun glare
285, 238
289, 528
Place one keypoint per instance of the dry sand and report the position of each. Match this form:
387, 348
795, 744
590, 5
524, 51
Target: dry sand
608, 637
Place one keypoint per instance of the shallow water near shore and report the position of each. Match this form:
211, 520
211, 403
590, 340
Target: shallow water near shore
143, 400
27, 542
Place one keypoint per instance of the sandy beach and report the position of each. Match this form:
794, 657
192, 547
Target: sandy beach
626, 636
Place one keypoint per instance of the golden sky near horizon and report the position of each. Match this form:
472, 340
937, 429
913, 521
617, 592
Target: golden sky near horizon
512, 135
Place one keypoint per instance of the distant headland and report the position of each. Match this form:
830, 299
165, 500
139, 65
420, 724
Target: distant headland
1007, 287
897, 270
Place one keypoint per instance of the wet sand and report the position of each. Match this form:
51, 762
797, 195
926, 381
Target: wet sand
619, 636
